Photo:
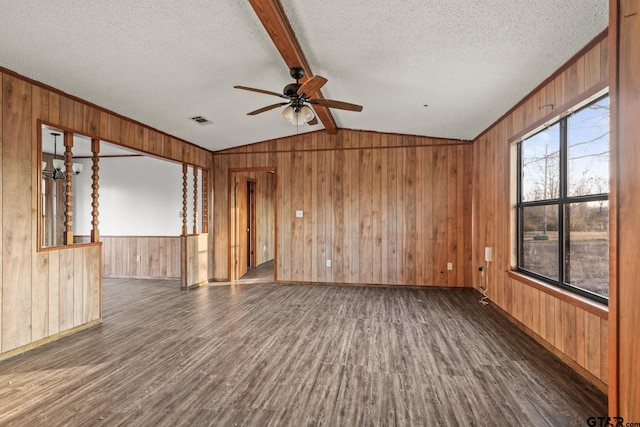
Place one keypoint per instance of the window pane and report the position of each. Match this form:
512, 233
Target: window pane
541, 165
540, 240
588, 151
587, 259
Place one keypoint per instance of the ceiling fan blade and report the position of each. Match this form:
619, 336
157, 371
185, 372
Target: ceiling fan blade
267, 108
312, 85
268, 92
336, 104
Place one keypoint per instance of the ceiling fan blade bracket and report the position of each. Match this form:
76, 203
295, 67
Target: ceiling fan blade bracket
311, 86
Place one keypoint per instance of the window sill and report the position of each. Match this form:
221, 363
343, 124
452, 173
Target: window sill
586, 304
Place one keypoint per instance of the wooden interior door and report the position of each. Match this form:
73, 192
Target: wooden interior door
242, 225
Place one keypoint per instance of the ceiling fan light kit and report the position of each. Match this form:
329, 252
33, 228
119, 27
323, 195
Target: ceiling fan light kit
297, 111
298, 116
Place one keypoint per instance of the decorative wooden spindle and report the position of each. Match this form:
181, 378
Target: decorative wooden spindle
68, 198
205, 201
195, 200
184, 199
95, 158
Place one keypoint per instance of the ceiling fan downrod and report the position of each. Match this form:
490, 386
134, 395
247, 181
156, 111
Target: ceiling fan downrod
291, 90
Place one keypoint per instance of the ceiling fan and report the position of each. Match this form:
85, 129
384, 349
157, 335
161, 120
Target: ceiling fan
298, 96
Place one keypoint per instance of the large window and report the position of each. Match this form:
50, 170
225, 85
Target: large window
563, 207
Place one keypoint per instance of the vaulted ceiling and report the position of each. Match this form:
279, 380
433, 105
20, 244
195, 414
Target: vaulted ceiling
161, 63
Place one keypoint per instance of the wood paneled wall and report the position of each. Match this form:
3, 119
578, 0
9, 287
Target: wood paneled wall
265, 216
67, 290
385, 209
624, 395
159, 256
572, 330
45, 294
195, 259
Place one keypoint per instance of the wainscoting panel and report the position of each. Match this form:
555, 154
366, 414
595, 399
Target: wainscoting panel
150, 257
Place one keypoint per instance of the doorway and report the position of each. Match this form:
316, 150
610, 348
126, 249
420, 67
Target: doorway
252, 221
243, 232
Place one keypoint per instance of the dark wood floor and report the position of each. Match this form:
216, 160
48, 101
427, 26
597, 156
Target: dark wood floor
267, 354
261, 273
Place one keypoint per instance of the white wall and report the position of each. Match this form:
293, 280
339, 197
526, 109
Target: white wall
139, 196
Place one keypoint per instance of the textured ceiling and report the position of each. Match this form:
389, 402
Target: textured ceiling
161, 63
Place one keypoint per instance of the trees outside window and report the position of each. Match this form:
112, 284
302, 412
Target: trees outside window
563, 207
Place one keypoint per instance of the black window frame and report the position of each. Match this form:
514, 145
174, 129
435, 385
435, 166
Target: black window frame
562, 201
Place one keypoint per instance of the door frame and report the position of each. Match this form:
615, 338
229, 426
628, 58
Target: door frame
241, 227
231, 221
252, 221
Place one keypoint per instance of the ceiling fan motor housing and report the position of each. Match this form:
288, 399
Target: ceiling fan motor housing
291, 90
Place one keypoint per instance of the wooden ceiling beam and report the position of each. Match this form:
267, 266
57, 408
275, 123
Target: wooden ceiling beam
275, 21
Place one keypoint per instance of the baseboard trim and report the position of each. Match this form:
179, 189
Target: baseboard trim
601, 385
39, 343
199, 284
118, 276
368, 285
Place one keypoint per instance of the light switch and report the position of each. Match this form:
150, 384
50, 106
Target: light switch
299, 214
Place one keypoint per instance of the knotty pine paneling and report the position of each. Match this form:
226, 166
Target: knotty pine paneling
46, 293
572, 332
360, 193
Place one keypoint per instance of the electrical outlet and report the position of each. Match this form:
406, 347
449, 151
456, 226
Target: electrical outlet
449, 266
137, 258
328, 263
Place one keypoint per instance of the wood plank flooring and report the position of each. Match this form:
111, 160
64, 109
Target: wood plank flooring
269, 354
261, 273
